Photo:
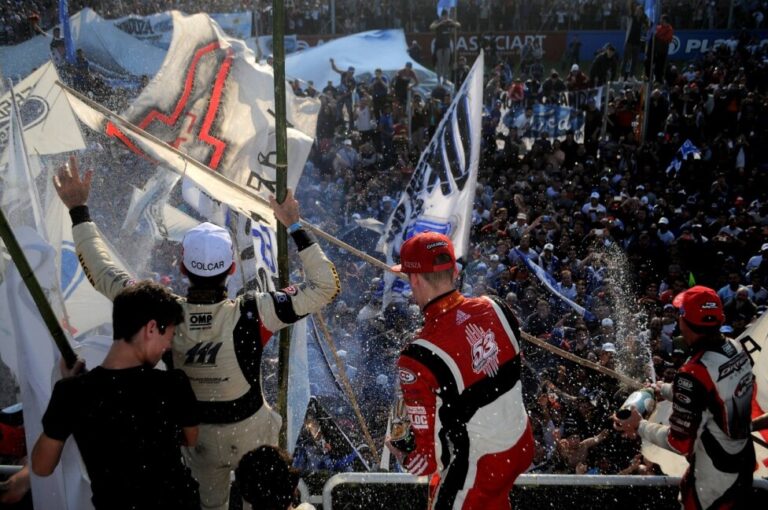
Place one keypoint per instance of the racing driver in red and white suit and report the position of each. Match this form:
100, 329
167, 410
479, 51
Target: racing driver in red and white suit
460, 380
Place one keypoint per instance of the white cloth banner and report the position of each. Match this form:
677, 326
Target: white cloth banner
441, 192
755, 342
213, 102
157, 29
49, 126
217, 187
34, 361
298, 383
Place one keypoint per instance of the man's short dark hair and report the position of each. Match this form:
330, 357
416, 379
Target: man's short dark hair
266, 479
138, 304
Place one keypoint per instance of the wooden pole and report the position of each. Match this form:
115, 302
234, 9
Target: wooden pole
281, 146
631, 383
347, 386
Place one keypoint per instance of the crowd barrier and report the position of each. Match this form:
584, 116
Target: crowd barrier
374, 491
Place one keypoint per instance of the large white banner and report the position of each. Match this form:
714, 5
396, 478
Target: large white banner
28, 348
157, 29
48, 122
213, 102
441, 192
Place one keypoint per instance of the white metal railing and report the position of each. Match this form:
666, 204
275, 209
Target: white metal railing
522, 481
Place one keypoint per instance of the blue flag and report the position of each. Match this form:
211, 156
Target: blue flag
445, 5
652, 11
66, 31
551, 286
685, 150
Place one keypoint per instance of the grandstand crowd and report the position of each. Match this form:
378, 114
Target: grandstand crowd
618, 228
20, 20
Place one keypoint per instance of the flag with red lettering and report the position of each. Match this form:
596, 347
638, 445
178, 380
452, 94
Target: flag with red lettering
213, 102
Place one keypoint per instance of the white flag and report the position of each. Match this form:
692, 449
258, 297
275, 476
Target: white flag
298, 383
440, 194
755, 343
212, 101
49, 126
217, 188
34, 360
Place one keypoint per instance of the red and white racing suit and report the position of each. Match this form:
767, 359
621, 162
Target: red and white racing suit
460, 380
710, 424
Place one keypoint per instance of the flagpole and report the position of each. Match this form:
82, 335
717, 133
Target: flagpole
281, 170
649, 85
38, 295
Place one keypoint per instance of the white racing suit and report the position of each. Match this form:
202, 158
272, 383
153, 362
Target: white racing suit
219, 347
710, 424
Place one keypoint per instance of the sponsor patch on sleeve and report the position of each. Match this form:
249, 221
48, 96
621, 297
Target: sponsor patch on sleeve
406, 376
418, 416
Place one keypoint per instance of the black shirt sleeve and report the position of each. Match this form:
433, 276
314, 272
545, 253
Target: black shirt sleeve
56, 420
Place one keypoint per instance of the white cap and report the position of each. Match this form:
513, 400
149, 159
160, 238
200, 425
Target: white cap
207, 250
764, 247
494, 257
608, 323
609, 347
594, 194
574, 68
549, 246
663, 221
522, 216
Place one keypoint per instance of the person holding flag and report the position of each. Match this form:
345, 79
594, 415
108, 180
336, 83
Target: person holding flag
460, 381
220, 342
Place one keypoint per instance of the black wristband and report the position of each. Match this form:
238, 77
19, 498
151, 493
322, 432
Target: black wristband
79, 214
303, 239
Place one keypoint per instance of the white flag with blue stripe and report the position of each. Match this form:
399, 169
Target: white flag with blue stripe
551, 285
440, 194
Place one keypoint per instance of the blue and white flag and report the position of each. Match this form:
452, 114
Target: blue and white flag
652, 11
555, 120
441, 192
445, 5
685, 150
66, 31
551, 285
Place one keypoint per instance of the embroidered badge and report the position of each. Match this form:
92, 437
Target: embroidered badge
485, 350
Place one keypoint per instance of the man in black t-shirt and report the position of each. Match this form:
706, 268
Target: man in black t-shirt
128, 419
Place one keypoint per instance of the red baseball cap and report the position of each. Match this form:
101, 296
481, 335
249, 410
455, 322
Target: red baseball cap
418, 254
700, 306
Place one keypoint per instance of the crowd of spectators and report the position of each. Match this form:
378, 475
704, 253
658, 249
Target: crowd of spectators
618, 229
20, 20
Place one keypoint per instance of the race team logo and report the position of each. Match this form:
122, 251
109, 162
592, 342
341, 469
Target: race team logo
406, 376
485, 350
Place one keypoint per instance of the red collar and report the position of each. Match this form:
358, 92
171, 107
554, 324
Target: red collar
442, 304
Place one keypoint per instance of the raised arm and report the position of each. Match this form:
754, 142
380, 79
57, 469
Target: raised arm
321, 283
104, 274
